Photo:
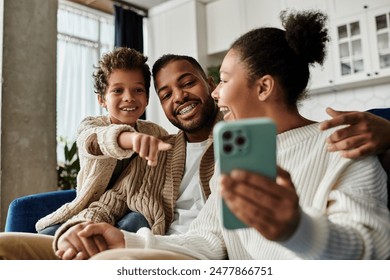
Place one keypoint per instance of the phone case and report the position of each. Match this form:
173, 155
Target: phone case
248, 144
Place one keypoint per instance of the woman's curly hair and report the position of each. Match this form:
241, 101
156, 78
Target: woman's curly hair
286, 54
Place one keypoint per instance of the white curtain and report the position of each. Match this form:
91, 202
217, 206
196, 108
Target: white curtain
82, 38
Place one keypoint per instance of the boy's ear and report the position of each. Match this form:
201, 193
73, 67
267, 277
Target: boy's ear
265, 86
101, 101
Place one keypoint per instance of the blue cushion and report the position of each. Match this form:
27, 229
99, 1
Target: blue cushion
383, 112
24, 212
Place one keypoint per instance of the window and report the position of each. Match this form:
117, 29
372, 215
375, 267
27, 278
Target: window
83, 36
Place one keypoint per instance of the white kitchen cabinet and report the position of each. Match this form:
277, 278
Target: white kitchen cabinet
173, 29
351, 46
361, 48
379, 36
229, 19
346, 8
261, 13
225, 23
322, 77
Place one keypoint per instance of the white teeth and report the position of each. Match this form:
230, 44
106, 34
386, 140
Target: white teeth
187, 109
224, 109
128, 109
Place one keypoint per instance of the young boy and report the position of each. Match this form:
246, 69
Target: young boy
106, 144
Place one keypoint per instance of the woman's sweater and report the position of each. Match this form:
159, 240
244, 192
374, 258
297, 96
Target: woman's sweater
343, 210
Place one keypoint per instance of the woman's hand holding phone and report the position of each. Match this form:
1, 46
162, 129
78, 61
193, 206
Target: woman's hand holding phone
255, 192
269, 206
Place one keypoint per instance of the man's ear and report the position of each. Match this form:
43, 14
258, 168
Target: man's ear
101, 101
265, 86
211, 83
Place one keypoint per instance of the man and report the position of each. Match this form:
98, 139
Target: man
183, 172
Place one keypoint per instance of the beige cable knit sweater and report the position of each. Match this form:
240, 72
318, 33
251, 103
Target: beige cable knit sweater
152, 191
98, 152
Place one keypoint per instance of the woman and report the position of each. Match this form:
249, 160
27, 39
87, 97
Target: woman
321, 205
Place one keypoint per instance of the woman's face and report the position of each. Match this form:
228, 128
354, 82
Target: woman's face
236, 99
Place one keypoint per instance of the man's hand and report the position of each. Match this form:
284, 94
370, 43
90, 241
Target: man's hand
71, 246
364, 134
146, 146
112, 236
271, 207
84, 240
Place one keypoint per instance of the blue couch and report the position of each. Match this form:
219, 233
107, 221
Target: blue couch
25, 211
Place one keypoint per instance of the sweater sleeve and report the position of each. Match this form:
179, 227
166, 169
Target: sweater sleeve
98, 211
98, 138
356, 222
204, 239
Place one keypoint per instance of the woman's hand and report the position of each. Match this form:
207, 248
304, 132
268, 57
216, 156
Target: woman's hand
271, 207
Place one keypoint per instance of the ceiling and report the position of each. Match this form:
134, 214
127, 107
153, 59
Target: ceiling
106, 5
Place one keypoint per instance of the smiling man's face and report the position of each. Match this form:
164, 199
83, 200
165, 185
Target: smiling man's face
185, 96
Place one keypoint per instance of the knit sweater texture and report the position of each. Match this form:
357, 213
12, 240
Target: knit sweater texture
98, 152
342, 202
151, 191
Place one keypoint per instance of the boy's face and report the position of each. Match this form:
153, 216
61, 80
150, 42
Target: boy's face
125, 98
185, 96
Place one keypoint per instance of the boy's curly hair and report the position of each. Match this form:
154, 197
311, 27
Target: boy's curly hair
120, 58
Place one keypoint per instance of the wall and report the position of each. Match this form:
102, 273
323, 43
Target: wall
28, 100
359, 99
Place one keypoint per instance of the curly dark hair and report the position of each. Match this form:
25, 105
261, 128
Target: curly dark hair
286, 54
168, 58
120, 58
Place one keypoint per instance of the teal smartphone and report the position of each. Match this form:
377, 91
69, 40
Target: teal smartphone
248, 144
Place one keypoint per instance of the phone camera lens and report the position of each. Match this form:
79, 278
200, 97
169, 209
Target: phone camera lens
227, 148
227, 135
240, 140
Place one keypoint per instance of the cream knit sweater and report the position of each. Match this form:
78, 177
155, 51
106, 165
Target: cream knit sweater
343, 204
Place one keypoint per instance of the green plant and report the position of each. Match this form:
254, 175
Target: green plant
67, 171
213, 71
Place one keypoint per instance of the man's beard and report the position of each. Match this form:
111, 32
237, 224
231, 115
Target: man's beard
207, 118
